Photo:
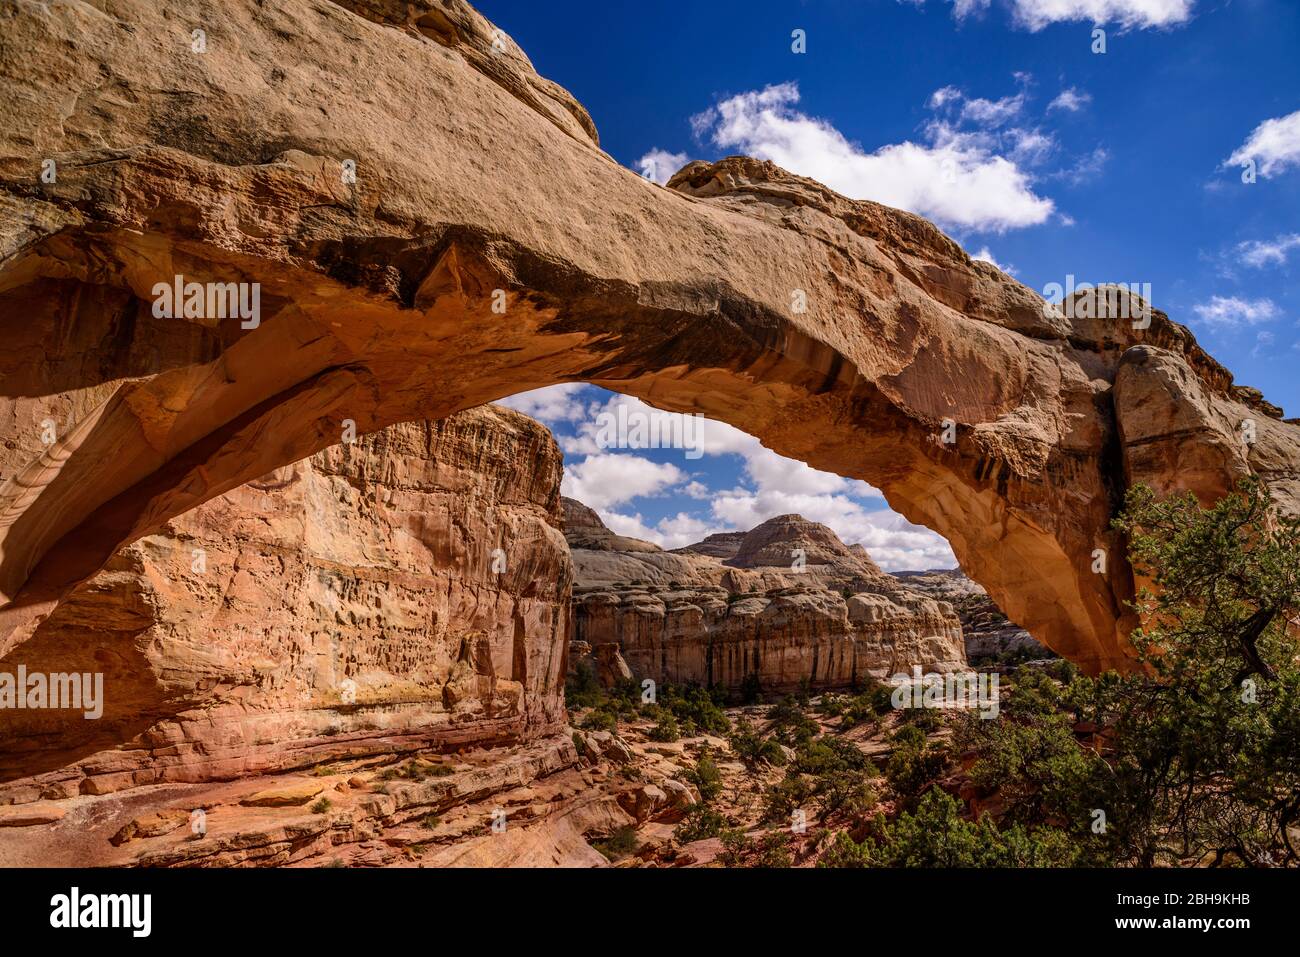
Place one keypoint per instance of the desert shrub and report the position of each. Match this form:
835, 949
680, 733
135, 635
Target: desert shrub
666, 730
914, 765
928, 720
774, 851
582, 688
701, 822
829, 772
322, 806
803, 696
789, 723
706, 777
935, 835
619, 844
599, 719
753, 750
832, 705
698, 711
735, 846
782, 799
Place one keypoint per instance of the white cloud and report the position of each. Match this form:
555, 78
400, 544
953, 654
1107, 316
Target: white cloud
1030, 147
697, 490
1071, 100
774, 485
943, 96
993, 112
1087, 167
984, 255
1034, 15
957, 179
555, 403
893, 542
660, 165
674, 532
1263, 344
1274, 145
1264, 252
1230, 312
612, 479
961, 9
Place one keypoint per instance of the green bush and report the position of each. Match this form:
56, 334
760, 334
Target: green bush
936, 836
701, 822
706, 777
914, 764
582, 688
697, 710
666, 730
789, 723
735, 846
619, 844
753, 750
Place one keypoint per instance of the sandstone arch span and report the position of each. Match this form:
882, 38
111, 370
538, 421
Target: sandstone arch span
474, 174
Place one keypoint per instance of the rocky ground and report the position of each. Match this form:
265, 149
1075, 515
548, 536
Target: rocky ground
580, 799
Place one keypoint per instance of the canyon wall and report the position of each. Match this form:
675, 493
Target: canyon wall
785, 604
989, 637
408, 590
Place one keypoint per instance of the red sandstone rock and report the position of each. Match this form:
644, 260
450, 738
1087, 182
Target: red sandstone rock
228, 640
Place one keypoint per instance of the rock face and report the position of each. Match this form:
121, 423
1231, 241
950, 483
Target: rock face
989, 637
383, 222
408, 590
783, 604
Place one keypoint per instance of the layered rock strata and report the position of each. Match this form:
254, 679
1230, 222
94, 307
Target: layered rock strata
989, 637
408, 590
786, 605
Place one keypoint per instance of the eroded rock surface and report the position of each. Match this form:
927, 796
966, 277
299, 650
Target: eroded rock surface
406, 591
787, 605
475, 177
988, 636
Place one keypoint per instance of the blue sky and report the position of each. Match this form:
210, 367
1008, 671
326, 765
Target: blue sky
997, 120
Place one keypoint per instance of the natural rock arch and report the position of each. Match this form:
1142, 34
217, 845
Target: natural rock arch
474, 174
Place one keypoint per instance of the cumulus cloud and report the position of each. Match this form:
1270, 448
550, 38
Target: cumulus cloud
1231, 312
955, 178
1268, 252
675, 532
555, 403
1034, 15
992, 112
893, 542
1071, 100
611, 479
1274, 145
984, 255
961, 9
659, 165
773, 485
